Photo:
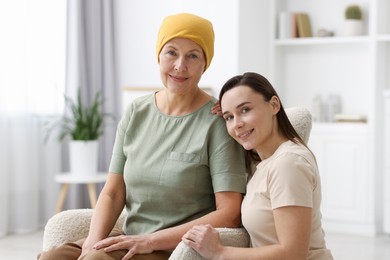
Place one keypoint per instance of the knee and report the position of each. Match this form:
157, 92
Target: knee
51, 254
65, 252
95, 255
102, 255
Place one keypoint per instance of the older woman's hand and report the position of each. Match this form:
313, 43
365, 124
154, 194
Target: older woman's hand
205, 240
140, 244
216, 109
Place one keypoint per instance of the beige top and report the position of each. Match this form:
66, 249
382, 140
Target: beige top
289, 177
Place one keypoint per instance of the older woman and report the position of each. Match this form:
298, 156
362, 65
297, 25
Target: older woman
173, 164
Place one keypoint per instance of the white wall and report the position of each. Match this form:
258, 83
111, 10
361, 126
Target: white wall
254, 35
137, 23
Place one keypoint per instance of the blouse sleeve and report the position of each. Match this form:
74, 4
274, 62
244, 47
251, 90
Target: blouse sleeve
227, 164
118, 158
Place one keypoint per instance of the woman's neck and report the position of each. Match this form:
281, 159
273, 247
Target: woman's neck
181, 104
267, 150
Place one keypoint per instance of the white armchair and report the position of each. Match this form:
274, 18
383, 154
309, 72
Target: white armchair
71, 225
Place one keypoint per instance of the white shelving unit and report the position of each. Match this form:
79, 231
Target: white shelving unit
347, 197
357, 69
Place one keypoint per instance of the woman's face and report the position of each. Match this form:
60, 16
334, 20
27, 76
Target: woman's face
182, 63
249, 118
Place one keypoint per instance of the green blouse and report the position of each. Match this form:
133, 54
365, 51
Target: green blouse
173, 165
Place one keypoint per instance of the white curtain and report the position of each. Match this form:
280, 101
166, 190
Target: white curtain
32, 65
91, 63
91, 67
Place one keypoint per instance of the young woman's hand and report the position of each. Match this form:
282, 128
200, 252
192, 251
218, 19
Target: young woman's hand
205, 240
216, 109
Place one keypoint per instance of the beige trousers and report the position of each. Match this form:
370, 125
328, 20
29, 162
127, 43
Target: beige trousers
72, 251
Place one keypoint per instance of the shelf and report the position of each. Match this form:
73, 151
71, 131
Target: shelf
341, 127
384, 38
322, 40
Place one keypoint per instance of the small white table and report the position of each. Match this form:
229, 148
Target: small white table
67, 178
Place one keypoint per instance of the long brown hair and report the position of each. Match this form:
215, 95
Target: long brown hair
261, 85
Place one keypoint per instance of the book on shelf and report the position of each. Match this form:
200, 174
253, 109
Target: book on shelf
284, 25
294, 25
351, 118
303, 25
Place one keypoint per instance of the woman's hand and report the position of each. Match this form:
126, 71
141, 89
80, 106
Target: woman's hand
216, 109
83, 253
87, 247
205, 240
135, 244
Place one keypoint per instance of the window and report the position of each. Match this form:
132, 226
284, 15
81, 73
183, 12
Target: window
32, 56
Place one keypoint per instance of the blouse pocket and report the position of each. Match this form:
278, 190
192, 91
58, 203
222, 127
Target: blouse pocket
180, 170
184, 157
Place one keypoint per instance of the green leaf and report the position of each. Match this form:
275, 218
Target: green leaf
83, 122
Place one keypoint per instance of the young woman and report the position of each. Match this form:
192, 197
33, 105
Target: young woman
281, 209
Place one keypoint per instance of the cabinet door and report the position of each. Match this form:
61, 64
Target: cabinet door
342, 160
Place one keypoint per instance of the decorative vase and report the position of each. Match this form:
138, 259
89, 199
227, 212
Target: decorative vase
83, 157
353, 27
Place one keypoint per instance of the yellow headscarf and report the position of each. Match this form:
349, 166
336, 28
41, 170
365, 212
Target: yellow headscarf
187, 26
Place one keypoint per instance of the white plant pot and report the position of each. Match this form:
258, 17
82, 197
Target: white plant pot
353, 27
83, 156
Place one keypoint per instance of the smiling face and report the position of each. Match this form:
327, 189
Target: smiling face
182, 63
250, 120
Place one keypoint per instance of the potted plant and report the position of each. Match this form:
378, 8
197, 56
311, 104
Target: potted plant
353, 24
83, 125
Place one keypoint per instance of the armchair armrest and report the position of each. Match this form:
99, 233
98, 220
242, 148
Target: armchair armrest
69, 226
237, 237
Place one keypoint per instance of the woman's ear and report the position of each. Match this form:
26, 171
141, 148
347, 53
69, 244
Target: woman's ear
275, 103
